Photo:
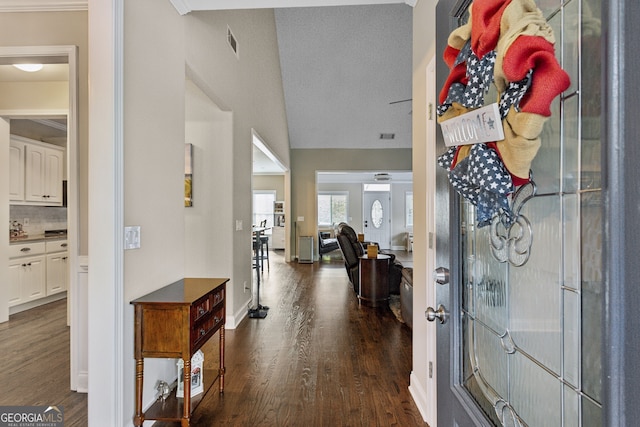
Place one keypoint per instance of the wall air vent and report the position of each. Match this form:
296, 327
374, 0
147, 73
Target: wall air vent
387, 136
233, 43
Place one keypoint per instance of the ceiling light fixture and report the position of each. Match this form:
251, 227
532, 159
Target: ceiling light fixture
30, 68
382, 177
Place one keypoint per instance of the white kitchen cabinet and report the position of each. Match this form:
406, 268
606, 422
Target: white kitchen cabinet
37, 172
37, 270
16, 171
43, 174
57, 273
27, 273
15, 283
57, 267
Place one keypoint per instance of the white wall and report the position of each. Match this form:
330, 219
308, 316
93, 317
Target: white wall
250, 86
422, 387
32, 96
210, 130
160, 114
270, 182
154, 136
4, 216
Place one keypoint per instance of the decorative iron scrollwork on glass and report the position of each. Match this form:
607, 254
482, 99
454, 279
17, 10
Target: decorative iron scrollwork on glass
512, 243
507, 343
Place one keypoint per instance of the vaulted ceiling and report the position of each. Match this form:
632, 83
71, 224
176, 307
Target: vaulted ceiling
346, 69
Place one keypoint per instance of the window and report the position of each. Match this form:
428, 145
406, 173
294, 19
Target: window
408, 209
333, 208
377, 187
263, 206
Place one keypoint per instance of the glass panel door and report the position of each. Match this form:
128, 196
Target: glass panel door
528, 296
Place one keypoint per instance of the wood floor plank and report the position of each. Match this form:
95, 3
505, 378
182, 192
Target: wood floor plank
35, 361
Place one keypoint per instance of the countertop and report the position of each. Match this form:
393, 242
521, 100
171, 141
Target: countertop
33, 238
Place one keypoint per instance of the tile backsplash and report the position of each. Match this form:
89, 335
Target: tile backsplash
41, 218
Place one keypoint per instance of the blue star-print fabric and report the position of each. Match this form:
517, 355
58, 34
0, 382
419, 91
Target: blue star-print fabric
480, 76
482, 179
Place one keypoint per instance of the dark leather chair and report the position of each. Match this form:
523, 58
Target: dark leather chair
352, 249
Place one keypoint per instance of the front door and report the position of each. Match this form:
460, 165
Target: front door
521, 340
377, 218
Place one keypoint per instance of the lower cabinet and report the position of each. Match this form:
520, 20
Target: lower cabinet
37, 271
27, 279
57, 273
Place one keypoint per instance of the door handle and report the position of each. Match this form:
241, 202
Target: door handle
441, 275
440, 314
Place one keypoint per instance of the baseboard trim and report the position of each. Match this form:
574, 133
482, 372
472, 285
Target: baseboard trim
419, 397
232, 322
35, 303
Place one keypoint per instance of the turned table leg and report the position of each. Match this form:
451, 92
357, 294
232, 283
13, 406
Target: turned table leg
222, 368
186, 410
138, 419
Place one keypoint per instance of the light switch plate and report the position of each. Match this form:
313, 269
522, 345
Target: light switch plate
132, 237
238, 225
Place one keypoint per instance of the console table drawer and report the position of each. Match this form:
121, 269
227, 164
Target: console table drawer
206, 326
204, 306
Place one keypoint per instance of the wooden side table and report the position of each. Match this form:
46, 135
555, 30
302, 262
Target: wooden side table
174, 322
374, 280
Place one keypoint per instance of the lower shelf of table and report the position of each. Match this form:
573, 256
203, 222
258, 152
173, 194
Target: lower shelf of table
172, 408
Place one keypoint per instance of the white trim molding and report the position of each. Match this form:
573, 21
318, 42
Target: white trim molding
185, 6
43, 5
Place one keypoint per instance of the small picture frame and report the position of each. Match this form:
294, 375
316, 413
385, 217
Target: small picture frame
197, 381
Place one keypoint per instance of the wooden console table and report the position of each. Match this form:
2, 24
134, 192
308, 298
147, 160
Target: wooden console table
174, 322
374, 279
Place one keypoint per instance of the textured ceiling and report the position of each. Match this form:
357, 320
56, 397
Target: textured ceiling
343, 70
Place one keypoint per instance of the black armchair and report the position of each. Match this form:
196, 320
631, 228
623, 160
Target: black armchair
352, 249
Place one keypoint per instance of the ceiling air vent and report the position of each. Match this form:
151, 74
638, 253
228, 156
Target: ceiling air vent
233, 43
381, 177
387, 136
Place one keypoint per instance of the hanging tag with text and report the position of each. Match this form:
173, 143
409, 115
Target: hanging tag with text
477, 126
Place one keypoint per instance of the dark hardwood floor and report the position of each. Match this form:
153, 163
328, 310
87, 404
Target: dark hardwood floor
35, 362
317, 359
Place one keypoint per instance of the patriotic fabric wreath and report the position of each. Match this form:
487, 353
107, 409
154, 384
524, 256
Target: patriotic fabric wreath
507, 43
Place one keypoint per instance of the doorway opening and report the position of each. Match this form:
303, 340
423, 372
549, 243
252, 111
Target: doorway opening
32, 110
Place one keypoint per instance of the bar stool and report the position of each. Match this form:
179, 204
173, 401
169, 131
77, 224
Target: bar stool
264, 242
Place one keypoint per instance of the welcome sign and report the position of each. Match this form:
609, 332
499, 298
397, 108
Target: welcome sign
477, 126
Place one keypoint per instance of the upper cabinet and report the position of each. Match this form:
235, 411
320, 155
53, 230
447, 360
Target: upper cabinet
16, 170
40, 167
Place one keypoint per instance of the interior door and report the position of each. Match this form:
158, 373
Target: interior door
520, 338
377, 218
